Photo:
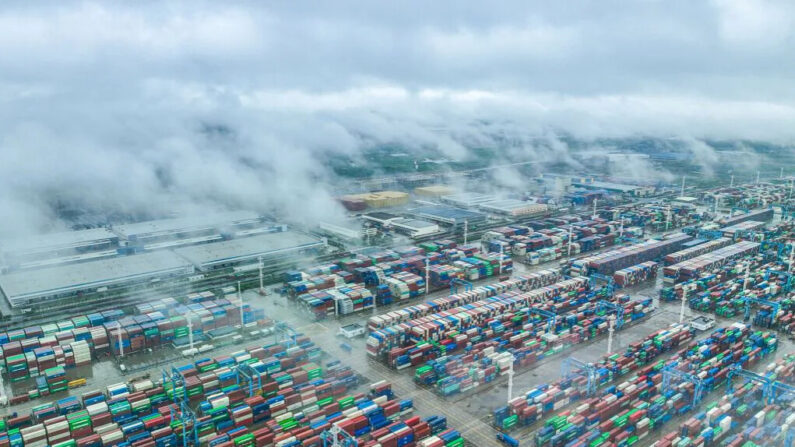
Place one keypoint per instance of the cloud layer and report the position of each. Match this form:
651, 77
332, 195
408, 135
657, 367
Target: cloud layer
184, 106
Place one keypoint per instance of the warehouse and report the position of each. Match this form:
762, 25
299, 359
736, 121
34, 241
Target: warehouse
380, 219
350, 231
467, 199
617, 188
230, 253
25, 288
434, 191
186, 230
513, 207
449, 215
54, 248
414, 227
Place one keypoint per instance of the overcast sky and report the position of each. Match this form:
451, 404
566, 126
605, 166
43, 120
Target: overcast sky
105, 102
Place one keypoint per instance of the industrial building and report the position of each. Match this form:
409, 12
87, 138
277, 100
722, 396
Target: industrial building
617, 188
49, 284
219, 255
513, 207
55, 248
414, 227
467, 199
165, 233
380, 219
350, 231
434, 191
449, 215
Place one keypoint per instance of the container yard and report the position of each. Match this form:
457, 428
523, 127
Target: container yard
523, 225
565, 328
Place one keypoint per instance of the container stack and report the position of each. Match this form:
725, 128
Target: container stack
548, 239
382, 341
74, 342
626, 412
520, 338
732, 232
632, 276
740, 417
692, 252
609, 262
547, 398
66, 326
692, 268
723, 295
353, 298
762, 215
441, 275
528, 282
278, 412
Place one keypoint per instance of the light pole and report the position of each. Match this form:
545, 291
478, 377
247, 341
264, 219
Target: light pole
190, 332
466, 231
571, 230
791, 256
427, 274
667, 217
261, 279
510, 378
501, 251
118, 337
611, 321
683, 186
685, 290
240, 300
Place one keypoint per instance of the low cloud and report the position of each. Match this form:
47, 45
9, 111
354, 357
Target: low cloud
186, 107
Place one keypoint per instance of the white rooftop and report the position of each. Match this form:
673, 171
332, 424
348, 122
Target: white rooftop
506, 204
468, 198
62, 239
91, 274
247, 248
184, 223
414, 223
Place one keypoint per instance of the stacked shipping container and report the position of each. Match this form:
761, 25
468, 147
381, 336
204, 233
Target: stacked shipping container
692, 268
607, 263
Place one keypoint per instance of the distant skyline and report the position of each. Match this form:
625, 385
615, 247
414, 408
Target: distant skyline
203, 104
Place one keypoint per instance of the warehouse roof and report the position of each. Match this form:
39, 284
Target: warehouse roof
447, 214
63, 239
351, 229
86, 275
467, 198
506, 204
242, 249
184, 223
608, 186
414, 223
380, 218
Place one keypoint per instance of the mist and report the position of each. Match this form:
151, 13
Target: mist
185, 108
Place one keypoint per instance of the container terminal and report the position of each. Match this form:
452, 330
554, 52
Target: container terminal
616, 314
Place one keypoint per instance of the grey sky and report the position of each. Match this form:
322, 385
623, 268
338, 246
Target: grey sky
103, 100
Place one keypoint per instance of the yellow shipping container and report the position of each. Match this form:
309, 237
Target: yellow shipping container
76, 383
